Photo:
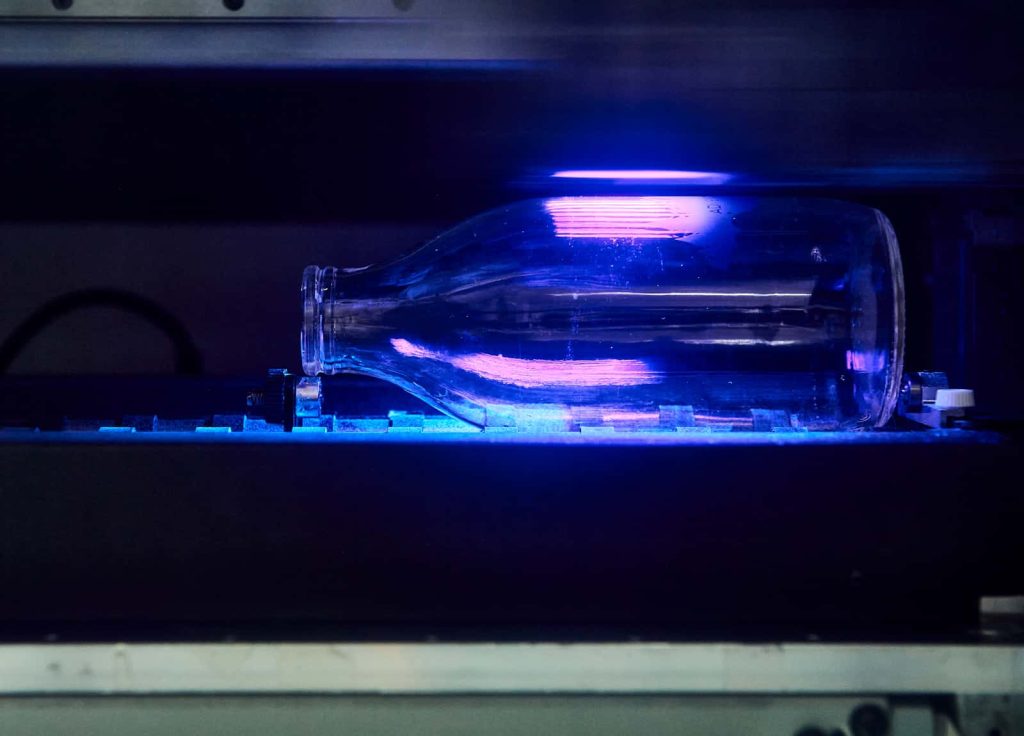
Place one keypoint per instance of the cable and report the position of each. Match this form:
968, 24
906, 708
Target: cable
188, 360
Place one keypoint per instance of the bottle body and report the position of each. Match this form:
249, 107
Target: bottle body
631, 312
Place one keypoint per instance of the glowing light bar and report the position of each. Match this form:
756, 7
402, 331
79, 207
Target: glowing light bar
702, 294
628, 217
641, 176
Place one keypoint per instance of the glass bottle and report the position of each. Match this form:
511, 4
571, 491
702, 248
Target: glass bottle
631, 312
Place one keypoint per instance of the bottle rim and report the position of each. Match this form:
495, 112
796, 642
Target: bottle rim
311, 340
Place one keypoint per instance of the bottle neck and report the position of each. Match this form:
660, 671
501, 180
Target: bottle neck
344, 324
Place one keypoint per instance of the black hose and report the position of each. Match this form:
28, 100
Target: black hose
188, 360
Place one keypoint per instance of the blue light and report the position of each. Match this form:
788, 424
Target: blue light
697, 436
644, 176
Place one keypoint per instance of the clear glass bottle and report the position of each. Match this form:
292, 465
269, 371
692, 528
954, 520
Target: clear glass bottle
631, 312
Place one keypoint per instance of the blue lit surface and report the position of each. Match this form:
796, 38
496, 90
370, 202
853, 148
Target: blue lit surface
417, 435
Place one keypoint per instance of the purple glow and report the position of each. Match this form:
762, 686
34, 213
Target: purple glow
630, 217
864, 362
640, 176
527, 373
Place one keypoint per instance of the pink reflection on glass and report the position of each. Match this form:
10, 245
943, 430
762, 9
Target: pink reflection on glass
714, 420
412, 350
628, 217
527, 373
631, 416
864, 362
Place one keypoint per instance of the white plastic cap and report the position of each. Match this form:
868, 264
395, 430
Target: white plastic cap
954, 398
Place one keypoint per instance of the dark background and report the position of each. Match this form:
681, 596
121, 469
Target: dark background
205, 163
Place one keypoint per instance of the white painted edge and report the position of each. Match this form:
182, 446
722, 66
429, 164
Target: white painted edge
509, 668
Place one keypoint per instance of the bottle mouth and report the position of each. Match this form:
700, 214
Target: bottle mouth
311, 339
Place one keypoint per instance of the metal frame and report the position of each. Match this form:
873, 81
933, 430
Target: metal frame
215, 9
261, 33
